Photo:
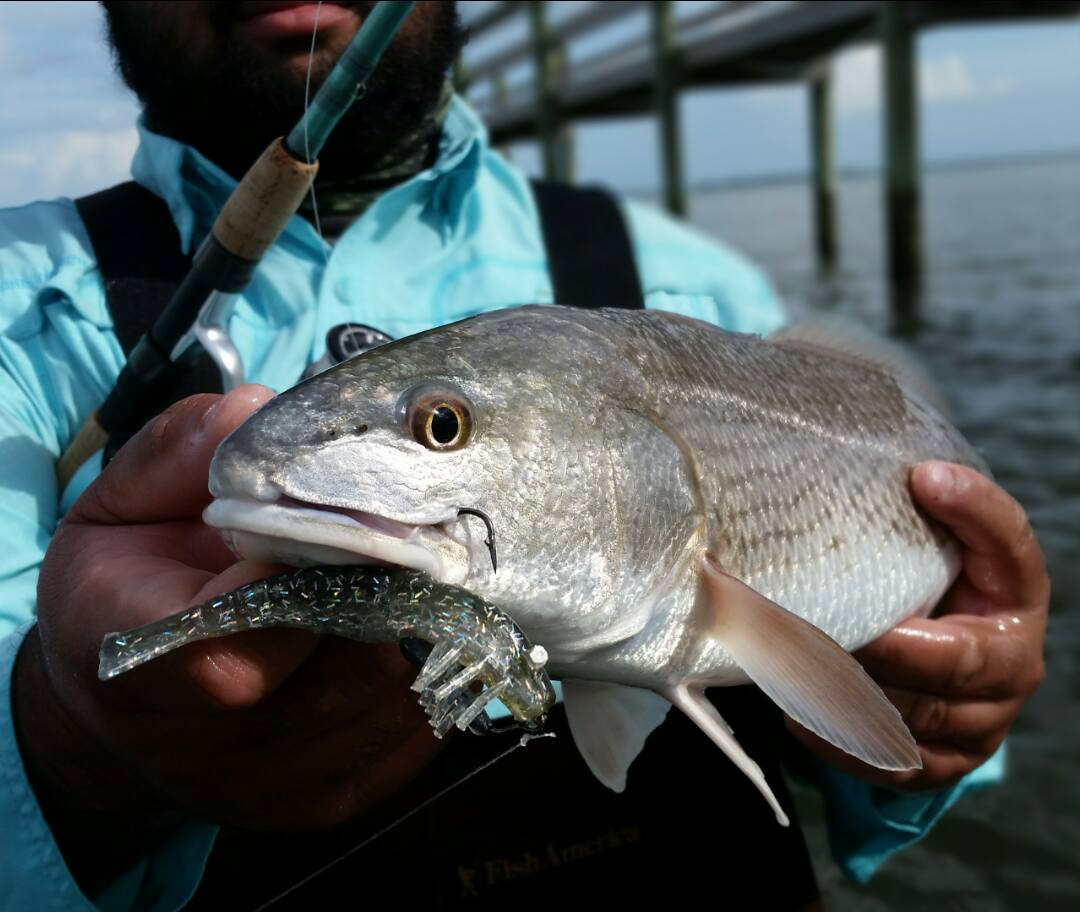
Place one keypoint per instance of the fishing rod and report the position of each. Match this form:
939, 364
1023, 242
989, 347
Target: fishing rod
250, 221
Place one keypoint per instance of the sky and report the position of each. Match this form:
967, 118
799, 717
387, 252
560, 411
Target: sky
987, 92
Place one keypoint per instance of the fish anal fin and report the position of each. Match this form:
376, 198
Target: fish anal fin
609, 724
805, 672
704, 715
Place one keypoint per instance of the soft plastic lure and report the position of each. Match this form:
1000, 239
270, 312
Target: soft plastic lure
478, 654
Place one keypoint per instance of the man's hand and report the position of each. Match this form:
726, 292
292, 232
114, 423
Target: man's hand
266, 729
961, 677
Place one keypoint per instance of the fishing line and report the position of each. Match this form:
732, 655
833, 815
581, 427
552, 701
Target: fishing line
307, 144
522, 741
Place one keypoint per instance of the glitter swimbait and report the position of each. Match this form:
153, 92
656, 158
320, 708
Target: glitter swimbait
478, 654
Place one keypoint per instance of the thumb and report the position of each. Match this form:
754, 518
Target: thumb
161, 473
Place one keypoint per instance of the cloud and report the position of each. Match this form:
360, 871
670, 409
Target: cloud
857, 80
68, 121
64, 163
944, 78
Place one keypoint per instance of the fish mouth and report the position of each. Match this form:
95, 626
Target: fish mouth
301, 533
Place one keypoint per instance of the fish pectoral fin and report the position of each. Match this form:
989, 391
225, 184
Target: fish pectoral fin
704, 715
805, 672
609, 724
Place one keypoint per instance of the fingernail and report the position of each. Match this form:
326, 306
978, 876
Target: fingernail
941, 476
205, 420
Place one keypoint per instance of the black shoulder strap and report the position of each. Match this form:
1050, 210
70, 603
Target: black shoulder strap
590, 256
138, 254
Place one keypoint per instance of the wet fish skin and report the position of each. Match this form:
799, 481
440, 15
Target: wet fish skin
622, 456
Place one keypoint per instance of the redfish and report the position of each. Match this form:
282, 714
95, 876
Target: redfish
677, 508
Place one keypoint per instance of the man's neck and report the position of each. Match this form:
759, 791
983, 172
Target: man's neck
342, 200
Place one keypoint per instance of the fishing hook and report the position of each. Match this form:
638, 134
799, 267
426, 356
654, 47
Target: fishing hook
490, 540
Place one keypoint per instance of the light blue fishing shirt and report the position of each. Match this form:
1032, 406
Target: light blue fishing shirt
456, 240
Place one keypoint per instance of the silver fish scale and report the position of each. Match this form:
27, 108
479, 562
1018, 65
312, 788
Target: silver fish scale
803, 461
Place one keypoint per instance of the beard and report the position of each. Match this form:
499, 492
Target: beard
231, 99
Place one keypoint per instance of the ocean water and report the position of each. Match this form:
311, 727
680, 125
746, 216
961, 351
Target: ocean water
999, 327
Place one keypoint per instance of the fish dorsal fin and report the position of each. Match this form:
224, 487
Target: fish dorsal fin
705, 716
609, 724
856, 343
805, 672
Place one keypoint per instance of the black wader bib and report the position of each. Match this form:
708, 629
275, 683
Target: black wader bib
535, 830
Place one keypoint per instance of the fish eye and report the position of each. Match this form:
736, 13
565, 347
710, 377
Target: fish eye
440, 420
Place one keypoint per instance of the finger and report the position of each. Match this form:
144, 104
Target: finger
395, 761
236, 671
328, 777
944, 765
342, 686
129, 576
1002, 557
90, 593
957, 656
241, 671
203, 546
188, 542
977, 726
161, 473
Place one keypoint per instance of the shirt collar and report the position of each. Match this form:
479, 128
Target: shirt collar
195, 189
454, 174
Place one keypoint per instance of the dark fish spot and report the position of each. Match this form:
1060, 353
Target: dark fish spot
335, 431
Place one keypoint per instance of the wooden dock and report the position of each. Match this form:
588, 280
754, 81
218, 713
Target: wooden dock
537, 83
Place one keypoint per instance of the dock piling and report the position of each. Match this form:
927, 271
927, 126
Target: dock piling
824, 168
665, 56
900, 104
555, 142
